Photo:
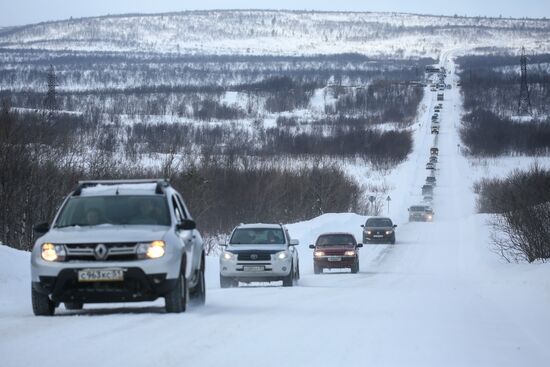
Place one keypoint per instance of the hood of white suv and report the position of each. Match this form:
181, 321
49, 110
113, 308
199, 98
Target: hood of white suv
237, 248
105, 233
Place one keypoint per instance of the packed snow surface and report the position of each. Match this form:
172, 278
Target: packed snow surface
439, 297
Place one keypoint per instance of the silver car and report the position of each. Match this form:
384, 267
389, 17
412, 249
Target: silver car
259, 253
118, 241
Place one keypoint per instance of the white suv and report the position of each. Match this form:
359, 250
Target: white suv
118, 241
259, 253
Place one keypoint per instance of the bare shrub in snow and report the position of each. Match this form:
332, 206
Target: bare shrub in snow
520, 205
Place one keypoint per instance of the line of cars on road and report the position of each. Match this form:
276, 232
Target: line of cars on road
135, 240
423, 211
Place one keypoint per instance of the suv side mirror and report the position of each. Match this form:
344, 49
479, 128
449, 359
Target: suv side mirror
294, 242
41, 228
395, 226
359, 245
312, 247
186, 224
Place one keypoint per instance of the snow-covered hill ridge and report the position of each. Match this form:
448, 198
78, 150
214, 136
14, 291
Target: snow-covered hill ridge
280, 33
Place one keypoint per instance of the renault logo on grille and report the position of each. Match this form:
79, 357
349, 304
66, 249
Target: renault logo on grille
253, 257
100, 252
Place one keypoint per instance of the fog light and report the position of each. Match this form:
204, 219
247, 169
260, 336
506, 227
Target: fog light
284, 268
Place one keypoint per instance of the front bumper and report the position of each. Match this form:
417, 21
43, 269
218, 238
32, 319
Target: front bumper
378, 238
136, 286
256, 270
328, 262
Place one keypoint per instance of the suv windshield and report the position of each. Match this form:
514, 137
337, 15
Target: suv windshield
378, 222
257, 236
418, 208
96, 210
336, 239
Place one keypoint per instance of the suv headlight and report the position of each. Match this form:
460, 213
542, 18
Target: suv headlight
151, 250
350, 253
368, 232
228, 256
389, 232
282, 255
51, 252
319, 253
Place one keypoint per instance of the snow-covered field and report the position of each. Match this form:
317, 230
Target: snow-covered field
439, 297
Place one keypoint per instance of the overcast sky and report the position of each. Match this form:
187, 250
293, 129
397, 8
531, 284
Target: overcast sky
18, 12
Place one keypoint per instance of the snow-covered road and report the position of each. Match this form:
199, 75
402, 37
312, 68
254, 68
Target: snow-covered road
436, 298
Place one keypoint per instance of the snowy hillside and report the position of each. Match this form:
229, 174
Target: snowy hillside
280, 33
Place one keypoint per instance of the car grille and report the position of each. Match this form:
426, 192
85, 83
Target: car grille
115, 252
254, 256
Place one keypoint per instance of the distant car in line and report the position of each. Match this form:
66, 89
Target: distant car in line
435, 130
433, 159
428, 199
379, 229
336, 251
434, 151
431, 180
420, 213
430, 166
427, 189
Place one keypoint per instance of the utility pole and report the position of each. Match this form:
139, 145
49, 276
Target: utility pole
524, 105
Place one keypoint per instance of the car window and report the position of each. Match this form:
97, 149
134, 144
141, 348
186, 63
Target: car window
378, 222
257, 236
178, 212
336, 239
116, 210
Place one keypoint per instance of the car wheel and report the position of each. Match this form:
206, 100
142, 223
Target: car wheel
355, 267
393, 240
198, 294
297, 273
317, 269
42, 305
288, 281
73, 305
176, 300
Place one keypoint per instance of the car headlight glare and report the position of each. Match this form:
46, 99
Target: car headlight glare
228, 256
51, 252
389, 232
350, 253
319, 253
369, 232
281, 255
151, 250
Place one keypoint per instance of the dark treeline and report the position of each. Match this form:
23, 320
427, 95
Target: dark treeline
486, 134
491, 88
41, 161
493, 83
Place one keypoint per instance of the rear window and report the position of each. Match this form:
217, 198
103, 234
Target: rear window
336, 239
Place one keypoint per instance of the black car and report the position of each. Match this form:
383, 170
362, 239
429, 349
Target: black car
379, 230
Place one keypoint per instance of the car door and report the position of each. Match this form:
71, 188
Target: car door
196, 239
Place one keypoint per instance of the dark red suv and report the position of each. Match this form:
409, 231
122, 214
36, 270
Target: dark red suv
335, 251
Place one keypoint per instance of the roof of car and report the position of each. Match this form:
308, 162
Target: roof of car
378, 217
122, 189
335, 234
259, 225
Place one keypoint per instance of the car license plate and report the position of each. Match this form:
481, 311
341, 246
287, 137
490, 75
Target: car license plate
253, 268
334, 258
378, 236
101, 275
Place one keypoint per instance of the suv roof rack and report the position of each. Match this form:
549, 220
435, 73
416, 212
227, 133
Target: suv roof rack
161, 184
